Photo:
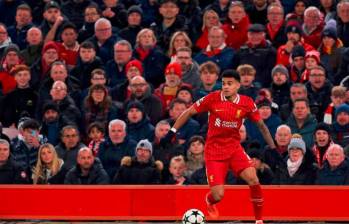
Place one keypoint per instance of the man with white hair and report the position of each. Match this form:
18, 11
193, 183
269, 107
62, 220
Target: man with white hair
313, 26
343, 21
87, 171
117, 145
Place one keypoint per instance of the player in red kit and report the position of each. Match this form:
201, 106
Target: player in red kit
227, 110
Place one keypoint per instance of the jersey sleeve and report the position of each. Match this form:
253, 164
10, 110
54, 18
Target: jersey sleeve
203, 104
253, 113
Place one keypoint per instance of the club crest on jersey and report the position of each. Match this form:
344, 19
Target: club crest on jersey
238, 114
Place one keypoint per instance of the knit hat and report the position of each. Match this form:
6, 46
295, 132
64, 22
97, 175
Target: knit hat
50, 106
11, 47
342, 108
135, 8
256, 28
324, 127
145, 144
313, 54
297, 143
134, 63
297, 51
50, 45
135, 104
186, 88
279, 68
263, 101
330, 29
51, 4
294, 27
175, 68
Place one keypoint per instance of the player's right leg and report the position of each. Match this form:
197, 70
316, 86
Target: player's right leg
215, 195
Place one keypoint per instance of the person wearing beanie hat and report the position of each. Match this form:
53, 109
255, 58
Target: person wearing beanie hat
140, 169
138, 123
135, 9
185, 93
330, 30
322, 139
280, 86
134, 24
133, 68
173, 68
279, 75
297, 65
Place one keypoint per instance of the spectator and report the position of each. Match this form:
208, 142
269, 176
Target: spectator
178, 40
209, 74
140, 169
322, 140
115, 12
91, 14
340, 127
116, 68
25, 151
297, 14
312, 59
276, 25
337, 98
328, 9
169, 23
5, 40
138, 124
151, 11
336, 168
280, 86
49, 169
259, 53
10, 173
295, 170
74, 10
313, 26
221, 7
257, 12
302, 121
236, 25
34, 45
21, 100
88, 170
297, 64
141, 91
117, 146
98, 76
247, 85
210, 19
195, 155
185, 93
87, 61
148, 53
69, 146
177, 169
18, 32
217, 50
95, 132
193, 16
343, 22
190, 68
134, 24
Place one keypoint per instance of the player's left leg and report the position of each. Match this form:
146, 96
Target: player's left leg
250, 176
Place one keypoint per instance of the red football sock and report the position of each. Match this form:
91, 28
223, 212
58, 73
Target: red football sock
257, 200
210, 198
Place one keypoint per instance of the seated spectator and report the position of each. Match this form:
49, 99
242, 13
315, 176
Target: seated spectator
96, 133
313, 26
193, 16
247, 85
49, 169
148, 52
340, 128
302, 121
23, 99
297, 91
88, 170
297, 11
209, 74
69, 146
190, 68
98, 106
91, 14
10, 59
177, 169
322, 140
328, 8
312, 59
217, 50
115, 12
185, 93
138, 124
25, 151
115, 147
236, 26
276, 27
336, 168
337, 98
297, 64
221, 7
280, 86
98, 76
5, 40
74, 11
87, 61
140, 169
178, 40
141, 91
10, 173
210, 19
195, 155
343, 22
33, 50
134, 24
295, 170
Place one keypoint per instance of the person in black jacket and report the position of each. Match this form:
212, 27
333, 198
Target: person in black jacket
87, 171
10, 173
134, 20
140, 169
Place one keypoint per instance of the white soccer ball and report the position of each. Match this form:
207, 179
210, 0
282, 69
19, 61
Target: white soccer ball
193, 216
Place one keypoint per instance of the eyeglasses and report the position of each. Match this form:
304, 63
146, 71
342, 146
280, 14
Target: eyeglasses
121, 51
138, 85
103, 29
317, 75
59, 88
70, 136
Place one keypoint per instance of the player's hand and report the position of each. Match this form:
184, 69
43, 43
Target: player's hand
169, 137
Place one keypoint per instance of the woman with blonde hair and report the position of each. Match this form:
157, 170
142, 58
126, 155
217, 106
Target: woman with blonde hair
49, 168
179, 39
210, 19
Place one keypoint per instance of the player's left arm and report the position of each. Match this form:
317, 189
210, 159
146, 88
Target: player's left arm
266, 134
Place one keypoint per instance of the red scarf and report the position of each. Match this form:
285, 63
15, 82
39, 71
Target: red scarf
305, 76
316, 151
142, 53
272, 33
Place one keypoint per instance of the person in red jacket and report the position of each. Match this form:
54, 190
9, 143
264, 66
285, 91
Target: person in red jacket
313, 26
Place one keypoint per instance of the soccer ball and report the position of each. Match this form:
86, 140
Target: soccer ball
193, 216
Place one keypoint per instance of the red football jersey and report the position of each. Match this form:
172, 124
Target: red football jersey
225, 119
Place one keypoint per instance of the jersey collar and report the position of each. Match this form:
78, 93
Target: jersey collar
236, 100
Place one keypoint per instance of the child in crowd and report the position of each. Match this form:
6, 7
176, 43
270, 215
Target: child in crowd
312, 59
96, 133
247, 75
177, 169
337, 98
195, 154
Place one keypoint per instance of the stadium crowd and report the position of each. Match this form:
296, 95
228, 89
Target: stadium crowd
92, 87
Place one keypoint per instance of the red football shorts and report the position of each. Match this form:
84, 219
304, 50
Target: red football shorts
216, 170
